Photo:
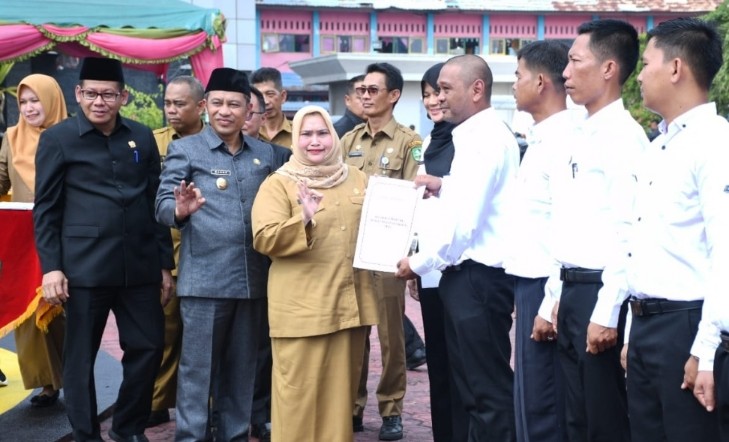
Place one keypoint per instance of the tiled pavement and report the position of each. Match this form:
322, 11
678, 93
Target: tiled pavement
416, 410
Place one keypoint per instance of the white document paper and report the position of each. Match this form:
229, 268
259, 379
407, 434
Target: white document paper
386, 227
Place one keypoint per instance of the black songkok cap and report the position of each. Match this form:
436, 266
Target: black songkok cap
228, 79
102, 69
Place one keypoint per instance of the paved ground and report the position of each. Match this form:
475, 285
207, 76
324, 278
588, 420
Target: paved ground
416, 413
23, 423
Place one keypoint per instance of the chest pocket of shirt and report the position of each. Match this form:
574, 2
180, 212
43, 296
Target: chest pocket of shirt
390, 165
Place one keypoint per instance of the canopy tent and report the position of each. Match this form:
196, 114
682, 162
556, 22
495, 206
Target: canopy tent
141, 33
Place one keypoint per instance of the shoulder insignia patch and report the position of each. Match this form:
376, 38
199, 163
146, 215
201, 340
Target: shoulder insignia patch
417, 153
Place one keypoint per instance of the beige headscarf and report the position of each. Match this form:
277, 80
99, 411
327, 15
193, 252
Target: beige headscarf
329, 173
23, 138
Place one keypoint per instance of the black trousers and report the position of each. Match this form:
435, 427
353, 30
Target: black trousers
721, 379
413, 341
447, 413
538, 390
478, 301
596, 400
140, 322
660, 410
261, 413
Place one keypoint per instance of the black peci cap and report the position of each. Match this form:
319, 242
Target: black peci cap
102, 69
228, 79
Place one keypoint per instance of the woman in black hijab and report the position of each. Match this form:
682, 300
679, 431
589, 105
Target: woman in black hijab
448, 415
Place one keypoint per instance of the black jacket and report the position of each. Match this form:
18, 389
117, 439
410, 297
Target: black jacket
347, 123
94, 205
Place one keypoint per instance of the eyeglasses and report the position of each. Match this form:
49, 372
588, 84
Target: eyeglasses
109, 97
251, 114
372, 90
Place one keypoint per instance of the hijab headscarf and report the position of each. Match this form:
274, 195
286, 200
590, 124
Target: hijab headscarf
331, 172
439, 154
23, 138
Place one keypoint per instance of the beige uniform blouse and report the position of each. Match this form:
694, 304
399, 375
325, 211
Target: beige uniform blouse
8, 176
312, 287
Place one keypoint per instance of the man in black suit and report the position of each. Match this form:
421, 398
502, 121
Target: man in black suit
101, 249
354, 114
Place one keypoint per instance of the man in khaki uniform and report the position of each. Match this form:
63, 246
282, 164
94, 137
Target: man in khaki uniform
383, 147
184, 106
277, 128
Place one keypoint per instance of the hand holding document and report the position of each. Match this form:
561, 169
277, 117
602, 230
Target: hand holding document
386, 226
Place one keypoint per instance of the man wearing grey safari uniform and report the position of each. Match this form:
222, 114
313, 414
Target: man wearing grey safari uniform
209, 181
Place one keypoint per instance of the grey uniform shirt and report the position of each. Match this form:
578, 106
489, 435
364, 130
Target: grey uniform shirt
217, 259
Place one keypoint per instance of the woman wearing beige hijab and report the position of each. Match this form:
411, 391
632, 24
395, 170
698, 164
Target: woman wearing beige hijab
306, 218
41, 105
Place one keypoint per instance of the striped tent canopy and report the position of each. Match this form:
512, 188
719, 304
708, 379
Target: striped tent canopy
141, 33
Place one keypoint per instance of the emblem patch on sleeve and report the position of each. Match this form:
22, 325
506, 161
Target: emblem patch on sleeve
417, 153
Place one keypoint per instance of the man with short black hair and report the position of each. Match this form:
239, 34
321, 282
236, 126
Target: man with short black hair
184, 104
470, 245
101, 249
277, 128
208, 185
677, 248
383, 147
257, 118
591, 201
354, 113
538, 90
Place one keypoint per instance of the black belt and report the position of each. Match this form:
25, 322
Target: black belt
652, 306
578, 274
459, 267
725, 341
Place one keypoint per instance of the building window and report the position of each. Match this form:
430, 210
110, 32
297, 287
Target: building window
508, 46
286, 43
401, 45
457, 46
343, 43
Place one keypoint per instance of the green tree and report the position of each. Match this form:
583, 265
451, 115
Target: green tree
720, 87
719, 90
631, 93
143, 108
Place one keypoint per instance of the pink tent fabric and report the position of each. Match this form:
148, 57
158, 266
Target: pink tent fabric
21, 41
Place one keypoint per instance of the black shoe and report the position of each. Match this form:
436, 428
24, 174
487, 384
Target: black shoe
391, 428
262, 432
44, 400
158, 417
357, 425
416, 359
136, 438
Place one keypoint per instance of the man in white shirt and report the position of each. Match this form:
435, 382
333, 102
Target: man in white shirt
591, 206
677, 244
538, 90
469, 246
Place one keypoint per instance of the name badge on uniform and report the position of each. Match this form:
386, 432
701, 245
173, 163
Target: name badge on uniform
355, 153
220, 172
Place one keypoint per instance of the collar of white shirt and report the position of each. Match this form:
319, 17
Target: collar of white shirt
699, 113
604, 117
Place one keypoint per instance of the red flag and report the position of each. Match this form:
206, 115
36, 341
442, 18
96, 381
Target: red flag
20, 272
